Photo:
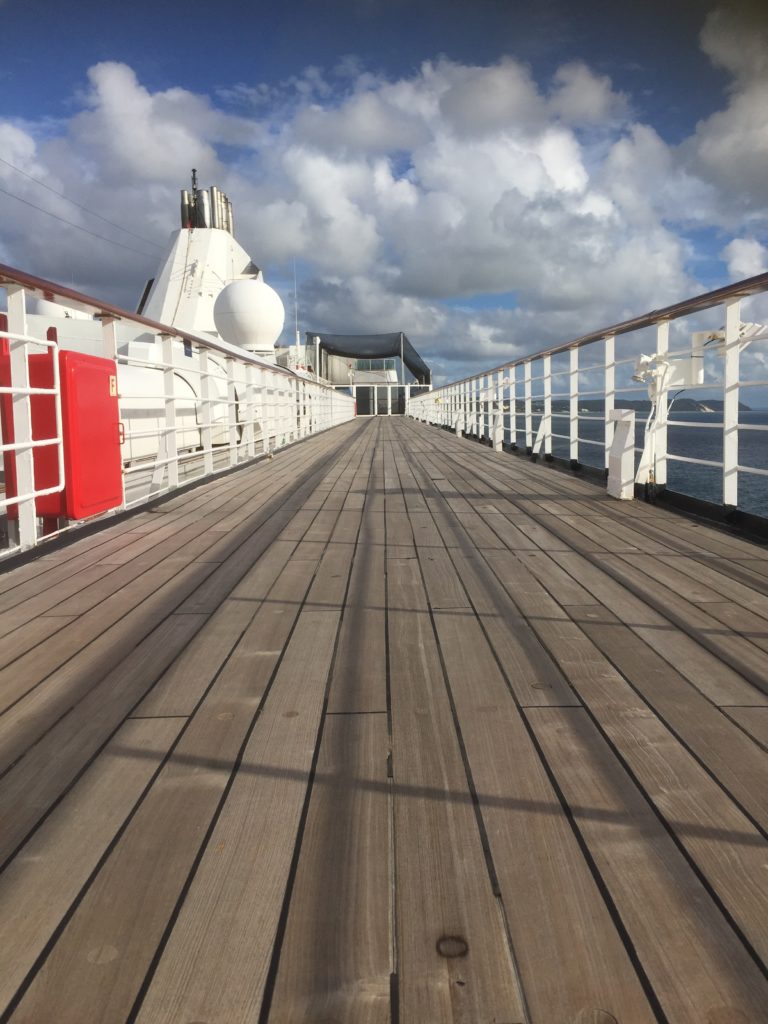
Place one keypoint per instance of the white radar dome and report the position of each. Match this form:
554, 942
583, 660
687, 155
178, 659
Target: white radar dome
250, 314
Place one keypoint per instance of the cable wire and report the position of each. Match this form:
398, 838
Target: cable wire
103, 238
61, 195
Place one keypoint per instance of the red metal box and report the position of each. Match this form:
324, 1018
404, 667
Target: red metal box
90, 431
93, 469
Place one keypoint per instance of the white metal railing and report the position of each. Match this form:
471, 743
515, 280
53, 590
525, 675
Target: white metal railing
190, 406
559, 402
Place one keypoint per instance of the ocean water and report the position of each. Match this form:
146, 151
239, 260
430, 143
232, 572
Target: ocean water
701, 438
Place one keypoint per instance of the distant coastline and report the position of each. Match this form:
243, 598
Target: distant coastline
561, 407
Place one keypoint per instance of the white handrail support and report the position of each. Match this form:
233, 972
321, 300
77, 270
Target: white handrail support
731, 403
22, 419
621, 458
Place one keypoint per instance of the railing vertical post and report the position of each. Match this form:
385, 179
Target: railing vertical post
573, 427
546, 432
610, 393
269, 410
660, 420
528, 409
22, 417
498, 413
249, 427
506, 405
206, 430
731, 404
169, 392
232, 411
513, 406
109, 348
109, 337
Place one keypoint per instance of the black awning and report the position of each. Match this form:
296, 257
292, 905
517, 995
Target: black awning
374, 346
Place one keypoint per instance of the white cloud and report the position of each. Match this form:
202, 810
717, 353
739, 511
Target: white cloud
395, 196
580, 96
730, 148
735, 37
483, 101
366, 123
745, 257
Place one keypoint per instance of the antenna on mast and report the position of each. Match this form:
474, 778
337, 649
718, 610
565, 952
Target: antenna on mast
189, 204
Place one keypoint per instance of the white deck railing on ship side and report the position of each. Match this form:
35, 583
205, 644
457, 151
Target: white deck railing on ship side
701, 346
210, 405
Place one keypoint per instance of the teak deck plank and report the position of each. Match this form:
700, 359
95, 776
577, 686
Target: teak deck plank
696, 964
335, 962
754, 721
390, 729
453, 963
215, 964
41, 884
546, 885
156, 854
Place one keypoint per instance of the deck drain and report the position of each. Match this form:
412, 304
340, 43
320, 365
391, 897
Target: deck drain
452, 946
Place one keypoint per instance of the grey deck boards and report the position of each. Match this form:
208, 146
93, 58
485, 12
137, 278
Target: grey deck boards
392, 729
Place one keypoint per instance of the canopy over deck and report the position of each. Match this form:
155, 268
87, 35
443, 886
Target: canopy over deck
375, 346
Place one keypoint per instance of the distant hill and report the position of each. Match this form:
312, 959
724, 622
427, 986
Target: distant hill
560, 406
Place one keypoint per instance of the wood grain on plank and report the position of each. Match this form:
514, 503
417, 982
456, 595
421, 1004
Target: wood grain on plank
695, 962
335, 954
358, 683
555, 911
47, 875
133, 897
37, 779
453, 961
214, 966
726, 752
753, 721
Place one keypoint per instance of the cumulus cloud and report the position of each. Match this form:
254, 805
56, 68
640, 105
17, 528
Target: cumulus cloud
745, 257
730, 148
580, 96
405, 200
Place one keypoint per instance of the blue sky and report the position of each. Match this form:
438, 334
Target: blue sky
489, 177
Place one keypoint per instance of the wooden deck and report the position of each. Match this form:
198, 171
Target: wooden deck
391, 728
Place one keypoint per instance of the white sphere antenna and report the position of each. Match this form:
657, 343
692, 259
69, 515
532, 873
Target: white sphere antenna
250, 314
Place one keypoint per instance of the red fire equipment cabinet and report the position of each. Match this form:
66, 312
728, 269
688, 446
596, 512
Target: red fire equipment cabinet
93, 478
